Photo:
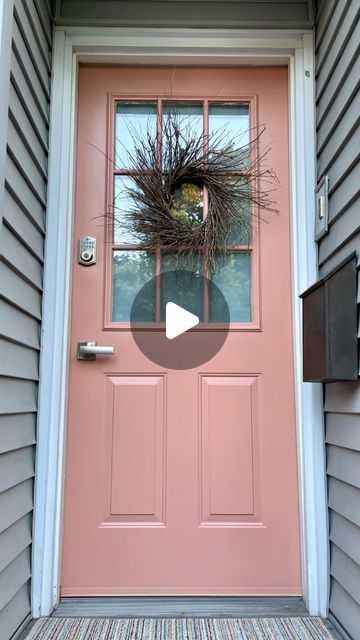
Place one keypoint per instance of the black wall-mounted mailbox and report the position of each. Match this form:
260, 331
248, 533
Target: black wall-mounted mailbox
330, 352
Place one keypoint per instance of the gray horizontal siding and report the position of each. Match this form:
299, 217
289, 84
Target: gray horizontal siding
338, 157
16, 609
21, 267
186, 13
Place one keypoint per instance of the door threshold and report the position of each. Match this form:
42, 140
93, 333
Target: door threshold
181, 607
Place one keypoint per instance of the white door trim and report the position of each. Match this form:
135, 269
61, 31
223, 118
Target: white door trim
165, 46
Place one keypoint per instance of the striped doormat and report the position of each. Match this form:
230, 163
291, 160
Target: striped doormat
179, 629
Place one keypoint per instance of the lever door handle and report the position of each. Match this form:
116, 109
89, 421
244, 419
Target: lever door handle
89, 351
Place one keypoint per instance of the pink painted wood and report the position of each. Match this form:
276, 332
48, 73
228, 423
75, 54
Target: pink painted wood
181, 482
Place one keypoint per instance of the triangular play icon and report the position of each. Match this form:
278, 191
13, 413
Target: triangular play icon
178, 320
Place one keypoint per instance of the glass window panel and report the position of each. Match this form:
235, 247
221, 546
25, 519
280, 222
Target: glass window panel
232, 276
133, 121
189, 116
123, 203
181, 286
132, 269
188, 205
231, 122
240, 234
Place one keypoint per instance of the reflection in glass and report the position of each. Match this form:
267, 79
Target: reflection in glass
122, 205
229, 122
131, 270
233, 277
188, 116
133, 121
240, 233
184, 287
188, 205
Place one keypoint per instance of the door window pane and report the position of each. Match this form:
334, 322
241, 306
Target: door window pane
188, 205
132, 269
189, 117
230, 122
184, 285
233, 277
123, 203
133, 122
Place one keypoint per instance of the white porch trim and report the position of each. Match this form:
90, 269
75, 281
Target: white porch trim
168, 46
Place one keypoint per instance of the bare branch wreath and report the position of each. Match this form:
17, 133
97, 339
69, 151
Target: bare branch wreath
169, 173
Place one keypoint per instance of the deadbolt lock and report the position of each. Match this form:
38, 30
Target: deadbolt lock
87, 251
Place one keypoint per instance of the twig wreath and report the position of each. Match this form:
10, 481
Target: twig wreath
171, 171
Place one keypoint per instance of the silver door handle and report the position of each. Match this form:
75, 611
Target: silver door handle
89, 351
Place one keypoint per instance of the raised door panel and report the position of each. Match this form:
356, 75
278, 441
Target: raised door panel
228, 460
135, 448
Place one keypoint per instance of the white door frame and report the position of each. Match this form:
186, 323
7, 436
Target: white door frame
172, 46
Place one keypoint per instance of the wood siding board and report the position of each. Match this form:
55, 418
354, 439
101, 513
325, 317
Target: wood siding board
344, 161
324, 12
15, 467
25, 94
17, 361
15, 612
14, 576
350, 87
17, 431
28, 166
43, 10
334, 39
341, 230
345, 535
40, 62
15, 503
346, 572
16, 290
345, 609
35, 85
350, 218
343, 430
344, 65
20, 259
347, 127
14, 540
17, 396
338, 154
37, 29
22, 227
18, 327
21, 265
28, 136
329, 62
24, 125
344, 465
338, 254
344, 499
23, 194
345, 194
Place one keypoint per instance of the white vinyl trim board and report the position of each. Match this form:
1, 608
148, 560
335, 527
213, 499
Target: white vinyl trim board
191, 47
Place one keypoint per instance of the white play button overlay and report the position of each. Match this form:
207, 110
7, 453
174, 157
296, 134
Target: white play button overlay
178, 320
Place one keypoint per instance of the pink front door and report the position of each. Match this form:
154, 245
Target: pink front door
180, 481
